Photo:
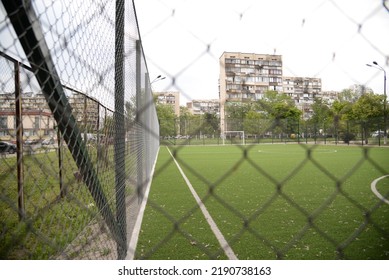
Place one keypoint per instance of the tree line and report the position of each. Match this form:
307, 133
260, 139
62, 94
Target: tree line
356, 111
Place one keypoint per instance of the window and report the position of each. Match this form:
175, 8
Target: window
3, 122
250, 79
233, 87
275, 63
275, 72
232, 60
247, 70
37, 122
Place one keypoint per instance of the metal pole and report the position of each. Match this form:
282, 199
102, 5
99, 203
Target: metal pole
62, 186
138, 119
19, 142
385, 113
146, 128
120, 180
377, 66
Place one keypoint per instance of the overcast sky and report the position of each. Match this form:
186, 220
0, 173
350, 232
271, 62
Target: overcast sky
331, 40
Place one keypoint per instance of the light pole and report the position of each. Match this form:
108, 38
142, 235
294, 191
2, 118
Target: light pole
158, 78
377, 66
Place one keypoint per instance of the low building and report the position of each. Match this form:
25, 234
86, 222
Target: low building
202, 106
37, 119
171, 98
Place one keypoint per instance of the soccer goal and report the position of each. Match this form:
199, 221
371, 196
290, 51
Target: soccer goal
235, 137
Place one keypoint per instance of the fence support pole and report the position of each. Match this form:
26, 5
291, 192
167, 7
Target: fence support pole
146, 127
120, 178
138, 119
62, 186
19, 141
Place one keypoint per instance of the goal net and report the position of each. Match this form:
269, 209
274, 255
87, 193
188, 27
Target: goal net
234, 137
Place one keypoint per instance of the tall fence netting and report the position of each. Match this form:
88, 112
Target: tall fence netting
80, 136
79, 129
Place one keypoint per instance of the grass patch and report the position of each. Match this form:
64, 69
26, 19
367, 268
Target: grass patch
173, 225
276, 201
51, 222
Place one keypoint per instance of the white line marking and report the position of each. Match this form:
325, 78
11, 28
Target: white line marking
374, 189
219, 236
135, 233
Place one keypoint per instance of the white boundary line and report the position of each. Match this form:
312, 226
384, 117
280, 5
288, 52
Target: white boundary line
375, 191
219, 236
135, 233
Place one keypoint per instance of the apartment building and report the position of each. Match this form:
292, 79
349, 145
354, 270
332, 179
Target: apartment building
202, 106
86, 111
171, 98
245, 77
303, 91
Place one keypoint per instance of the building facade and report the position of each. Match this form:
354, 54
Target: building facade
171, 98
37, 119
86, 111
246, 77
202, 106
303, 91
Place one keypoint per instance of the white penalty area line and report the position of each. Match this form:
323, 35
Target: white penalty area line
219, 236
375, 191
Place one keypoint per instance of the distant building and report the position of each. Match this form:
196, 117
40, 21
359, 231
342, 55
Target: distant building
37, 119
202, 106
171, 98
86, 111
303, 91
246, 77
329, 96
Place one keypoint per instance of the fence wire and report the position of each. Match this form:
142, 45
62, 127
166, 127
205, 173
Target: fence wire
80, 135
177, 133
79, 129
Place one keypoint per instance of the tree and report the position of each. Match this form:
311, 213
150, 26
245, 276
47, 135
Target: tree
368, 110
353, 93
321, 117
210, 123
236, 113
166, 119
341, 111
281, 109
184, 119
254, 123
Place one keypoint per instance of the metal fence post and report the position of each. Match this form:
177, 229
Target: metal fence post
19, 141
146, 126
138, 119
62, 186
120, 179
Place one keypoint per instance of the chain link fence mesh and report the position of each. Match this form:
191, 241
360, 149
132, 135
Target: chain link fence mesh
79, 129
81, 136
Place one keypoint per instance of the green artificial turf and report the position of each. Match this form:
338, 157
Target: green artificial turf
285, 201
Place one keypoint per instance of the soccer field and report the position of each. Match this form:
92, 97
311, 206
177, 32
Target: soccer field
284, 201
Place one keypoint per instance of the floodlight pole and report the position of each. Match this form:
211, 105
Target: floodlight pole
377, 66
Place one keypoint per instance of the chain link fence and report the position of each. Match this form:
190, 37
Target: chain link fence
80, 136
79, 130
248, 231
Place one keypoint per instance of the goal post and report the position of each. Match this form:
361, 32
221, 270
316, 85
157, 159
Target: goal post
237, 137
